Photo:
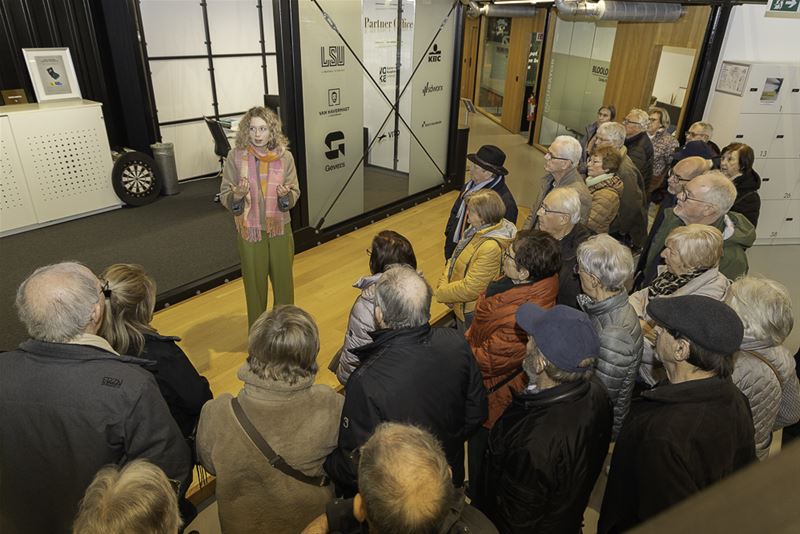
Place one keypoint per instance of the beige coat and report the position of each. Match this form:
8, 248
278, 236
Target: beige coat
300, 422
606, 197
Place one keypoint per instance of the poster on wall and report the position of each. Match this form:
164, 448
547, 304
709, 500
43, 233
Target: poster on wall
382, 24
732, 78
432, 88
52, 73
332, 106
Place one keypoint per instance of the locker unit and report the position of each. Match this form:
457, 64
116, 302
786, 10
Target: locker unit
767, 117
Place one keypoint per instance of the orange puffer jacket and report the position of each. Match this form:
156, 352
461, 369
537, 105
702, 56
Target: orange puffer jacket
498, 343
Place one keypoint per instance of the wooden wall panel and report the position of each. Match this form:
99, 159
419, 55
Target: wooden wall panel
637, 50
469, 57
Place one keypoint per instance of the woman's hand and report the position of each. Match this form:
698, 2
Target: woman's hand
282, 190
240, 190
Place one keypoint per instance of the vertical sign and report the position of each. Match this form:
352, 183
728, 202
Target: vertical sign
431, 94
381, 26
333, 110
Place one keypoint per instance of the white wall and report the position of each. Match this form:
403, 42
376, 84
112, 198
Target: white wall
752, 36
672, 78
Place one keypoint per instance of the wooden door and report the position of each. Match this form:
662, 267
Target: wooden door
469, 57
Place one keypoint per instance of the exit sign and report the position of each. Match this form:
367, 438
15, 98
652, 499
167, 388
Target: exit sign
783, 8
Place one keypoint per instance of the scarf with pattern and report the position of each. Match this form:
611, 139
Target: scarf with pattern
263, 173
668, 283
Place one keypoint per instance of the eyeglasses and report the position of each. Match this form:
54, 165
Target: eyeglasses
678, 177
105, 289
683, 195
695, 134
544, 209
549, 155
627, 122
653, 119
258, 129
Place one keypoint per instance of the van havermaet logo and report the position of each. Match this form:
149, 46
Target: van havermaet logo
431, 88
333, 58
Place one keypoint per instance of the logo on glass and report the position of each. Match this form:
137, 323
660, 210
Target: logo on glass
431, 88
333, 57
435, 55
335, 142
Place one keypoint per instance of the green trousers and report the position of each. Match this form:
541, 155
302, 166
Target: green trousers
272, 258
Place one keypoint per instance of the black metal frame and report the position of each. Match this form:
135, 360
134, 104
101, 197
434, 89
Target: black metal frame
210, 56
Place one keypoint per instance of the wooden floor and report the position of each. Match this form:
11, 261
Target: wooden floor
213, 325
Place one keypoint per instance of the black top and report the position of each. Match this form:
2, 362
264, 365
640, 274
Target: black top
543, 458
640, 150
184, 389
677, 440
569, 285
424, 376
748, 201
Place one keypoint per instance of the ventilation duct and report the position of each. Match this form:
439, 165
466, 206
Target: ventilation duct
619, 11
475, 10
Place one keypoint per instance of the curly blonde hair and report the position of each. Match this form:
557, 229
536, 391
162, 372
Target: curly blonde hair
277, 139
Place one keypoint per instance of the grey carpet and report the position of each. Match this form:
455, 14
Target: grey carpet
178, 239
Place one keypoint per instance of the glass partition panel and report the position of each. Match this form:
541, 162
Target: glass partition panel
377, 78
495, 65
576, 82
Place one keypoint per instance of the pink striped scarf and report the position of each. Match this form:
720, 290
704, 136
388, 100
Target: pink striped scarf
263, 179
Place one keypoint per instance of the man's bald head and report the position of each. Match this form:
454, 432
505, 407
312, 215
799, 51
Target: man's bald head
404, 298
684, 171
404, 480
59, 302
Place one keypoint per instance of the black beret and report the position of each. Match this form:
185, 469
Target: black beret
707, 322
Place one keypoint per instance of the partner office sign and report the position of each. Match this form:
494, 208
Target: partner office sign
332, 109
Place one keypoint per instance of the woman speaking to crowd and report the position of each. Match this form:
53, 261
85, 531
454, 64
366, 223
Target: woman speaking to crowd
259, 186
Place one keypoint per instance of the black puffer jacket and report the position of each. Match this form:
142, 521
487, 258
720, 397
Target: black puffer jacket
640, 150
423, 376
543, 458
748, 201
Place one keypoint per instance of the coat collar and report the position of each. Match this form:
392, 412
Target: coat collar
70, 351
265, 388
592, 307
702, 390
548, 397
384, 337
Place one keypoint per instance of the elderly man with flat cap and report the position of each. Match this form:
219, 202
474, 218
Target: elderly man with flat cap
547, 449
689, 431
485, 171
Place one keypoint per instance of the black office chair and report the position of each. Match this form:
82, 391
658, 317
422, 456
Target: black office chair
221, 144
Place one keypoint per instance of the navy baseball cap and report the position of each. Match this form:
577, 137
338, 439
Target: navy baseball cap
564, 335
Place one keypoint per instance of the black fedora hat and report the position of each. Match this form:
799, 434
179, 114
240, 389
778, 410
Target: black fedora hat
490, 158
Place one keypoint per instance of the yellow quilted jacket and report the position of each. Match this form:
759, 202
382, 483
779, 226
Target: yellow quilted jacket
480, 262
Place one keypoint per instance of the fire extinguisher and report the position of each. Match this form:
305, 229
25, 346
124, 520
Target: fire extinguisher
531, 108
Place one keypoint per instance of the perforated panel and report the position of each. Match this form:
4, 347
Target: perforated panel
66, 159
16, 208
67, 163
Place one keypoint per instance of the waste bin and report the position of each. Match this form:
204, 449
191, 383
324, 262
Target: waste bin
164, 155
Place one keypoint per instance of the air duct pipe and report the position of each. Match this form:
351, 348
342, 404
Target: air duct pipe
500, 10
619, 11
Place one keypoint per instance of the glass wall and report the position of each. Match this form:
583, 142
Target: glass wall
494, 65
377, 79
576, 81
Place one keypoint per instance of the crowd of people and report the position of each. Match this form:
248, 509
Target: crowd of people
563, 345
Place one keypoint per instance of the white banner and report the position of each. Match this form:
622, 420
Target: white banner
381, 25
332, 108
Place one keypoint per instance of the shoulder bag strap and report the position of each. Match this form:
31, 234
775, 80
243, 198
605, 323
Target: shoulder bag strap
274, 459
505, 381
485, 240
765, 360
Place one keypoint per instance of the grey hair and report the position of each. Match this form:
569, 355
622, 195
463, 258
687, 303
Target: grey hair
283, 345
567, 200
607, 259
404, 480
764, 307
721, 192
570, 148
137, 498
56, 302
642, 117
614, 131
404, 298
707, 127
663, 115
699, 246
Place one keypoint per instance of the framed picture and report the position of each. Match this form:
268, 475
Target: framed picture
52, 73
732, 77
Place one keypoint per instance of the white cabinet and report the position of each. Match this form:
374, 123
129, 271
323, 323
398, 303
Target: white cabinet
767, 117
56, 164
